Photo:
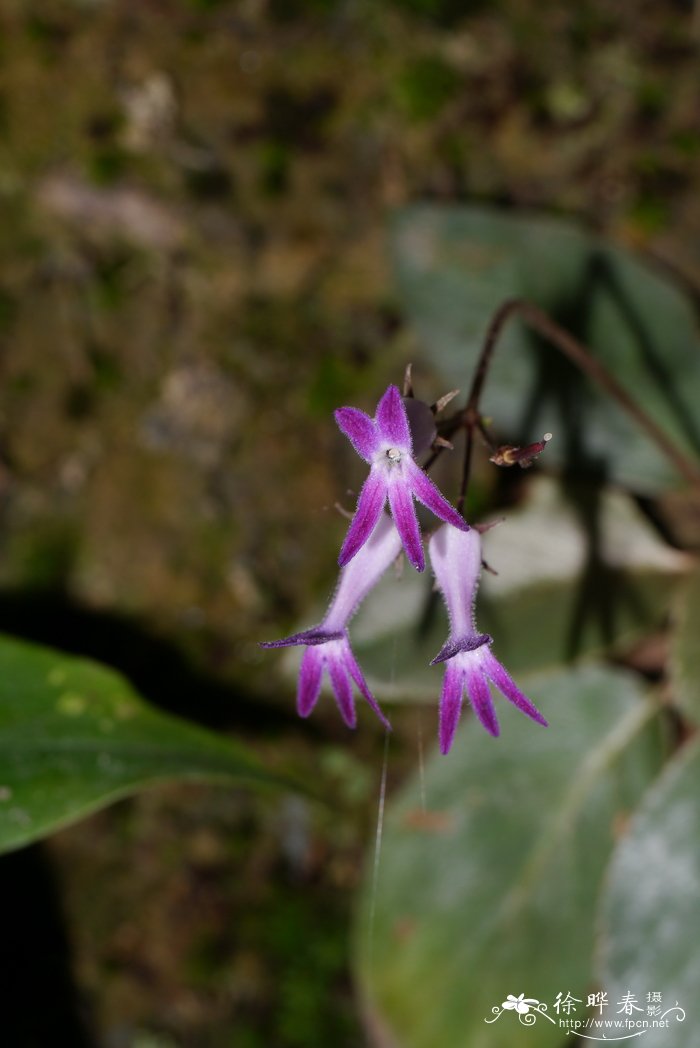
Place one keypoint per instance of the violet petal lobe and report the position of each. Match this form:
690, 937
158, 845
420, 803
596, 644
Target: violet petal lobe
369, 506
404, 513
391, 419
480, 698
342, 690
505, 684
355, 672
426, 492
360, 430
450, 706
309, 681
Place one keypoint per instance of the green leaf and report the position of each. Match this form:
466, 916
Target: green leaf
574, 577
685, 648
455, 266
74, 736
491, 889
649, 912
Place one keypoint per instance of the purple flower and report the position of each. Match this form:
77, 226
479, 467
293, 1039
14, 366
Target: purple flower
469, 663
328, 645
385, 442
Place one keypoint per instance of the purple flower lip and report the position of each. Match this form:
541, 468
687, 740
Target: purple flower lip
316, 635
385, 443
452, 647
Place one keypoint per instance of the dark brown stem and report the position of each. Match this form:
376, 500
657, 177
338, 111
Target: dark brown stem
578, 354
466, 468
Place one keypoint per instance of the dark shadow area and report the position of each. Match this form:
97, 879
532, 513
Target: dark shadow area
649, 508
429, 610
602, 588
41, 1007
604, 274
559, 382
156, 666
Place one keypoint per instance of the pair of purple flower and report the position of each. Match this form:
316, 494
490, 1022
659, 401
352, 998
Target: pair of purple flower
372, 543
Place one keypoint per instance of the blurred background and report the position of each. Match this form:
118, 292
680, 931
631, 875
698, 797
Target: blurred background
194, 201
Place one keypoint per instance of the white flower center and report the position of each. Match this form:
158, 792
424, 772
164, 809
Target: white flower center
393, 454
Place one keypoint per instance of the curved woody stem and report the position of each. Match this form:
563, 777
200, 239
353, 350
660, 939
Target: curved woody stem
579, 354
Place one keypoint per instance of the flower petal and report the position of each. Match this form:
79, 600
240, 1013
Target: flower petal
455, 557
355, 672
369, 506
450, 706
454, 645
359, 576
360, 430
480, 698
404, 513
426, 492
392, 421
505, 684
316, 635
342, 689
309, 681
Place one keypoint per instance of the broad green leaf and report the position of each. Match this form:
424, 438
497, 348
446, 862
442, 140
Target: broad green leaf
456, 265
491, 888
685, 648
570, 581
74, 736
650, 912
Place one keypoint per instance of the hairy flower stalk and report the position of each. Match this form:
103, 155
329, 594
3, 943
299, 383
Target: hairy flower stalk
385, 443
328, 645
469, 663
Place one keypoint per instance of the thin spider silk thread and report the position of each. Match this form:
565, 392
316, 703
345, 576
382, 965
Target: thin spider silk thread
421, 760
377, 848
